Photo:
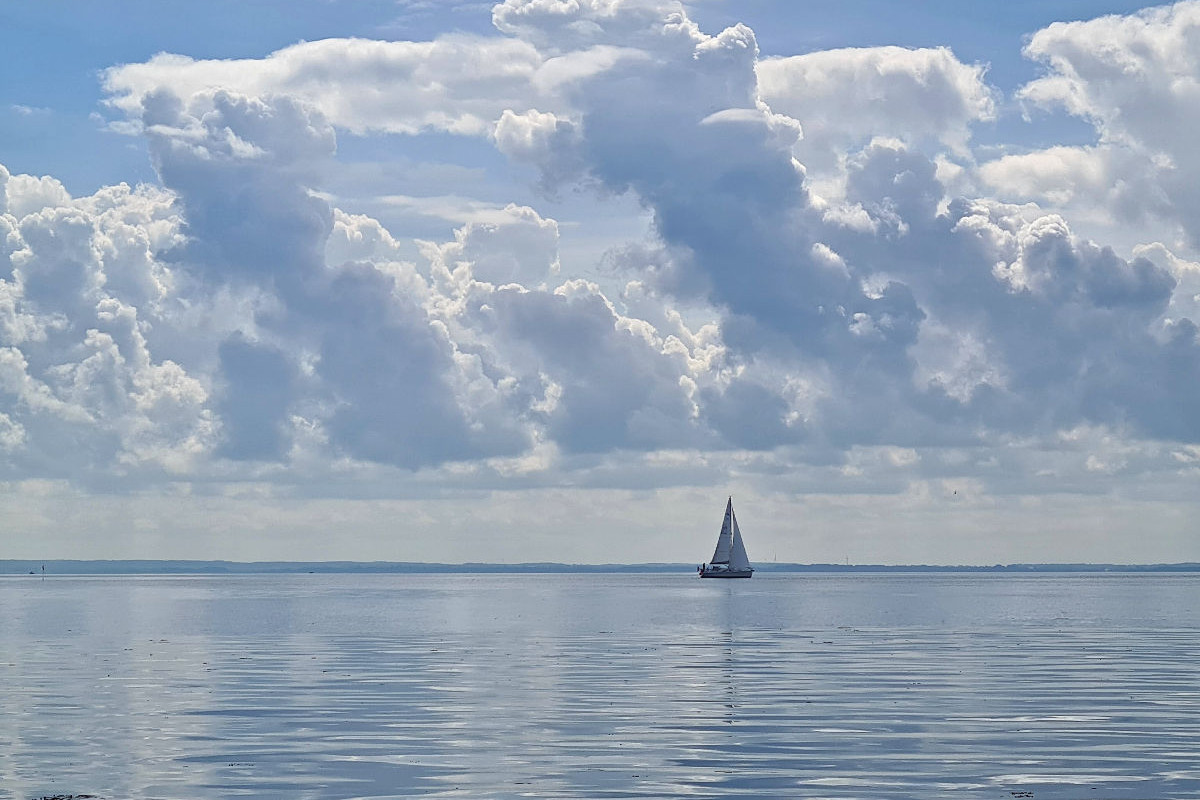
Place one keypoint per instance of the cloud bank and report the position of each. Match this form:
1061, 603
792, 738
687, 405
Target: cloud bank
835, 294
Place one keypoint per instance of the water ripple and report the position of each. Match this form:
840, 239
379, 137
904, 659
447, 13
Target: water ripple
572, 702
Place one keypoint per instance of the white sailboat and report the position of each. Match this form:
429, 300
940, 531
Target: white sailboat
729, 559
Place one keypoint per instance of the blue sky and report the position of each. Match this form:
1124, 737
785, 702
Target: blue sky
547, 280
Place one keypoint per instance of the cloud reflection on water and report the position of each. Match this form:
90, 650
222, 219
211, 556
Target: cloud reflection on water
600, 686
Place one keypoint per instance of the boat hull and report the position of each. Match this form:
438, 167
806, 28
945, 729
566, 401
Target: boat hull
727, 573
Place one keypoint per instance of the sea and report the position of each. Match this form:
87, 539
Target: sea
600, 685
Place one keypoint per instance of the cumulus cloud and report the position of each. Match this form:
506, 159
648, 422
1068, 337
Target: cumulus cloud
844, 98
84, 395
1134, 78
856, 307
1134, 75
569, 25
233, 323
459, 84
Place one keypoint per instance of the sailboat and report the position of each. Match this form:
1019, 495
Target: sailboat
729, 559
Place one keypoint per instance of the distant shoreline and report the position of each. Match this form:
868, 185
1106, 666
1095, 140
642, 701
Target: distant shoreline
190, 567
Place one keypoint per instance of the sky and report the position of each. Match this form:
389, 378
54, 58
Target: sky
548, 280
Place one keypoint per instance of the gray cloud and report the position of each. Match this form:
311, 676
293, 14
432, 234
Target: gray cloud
612, 387
242, 170
258, 384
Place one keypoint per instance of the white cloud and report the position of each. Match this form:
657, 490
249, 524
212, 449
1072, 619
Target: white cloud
844, 98
543, 139
29, 111
1134, 76
26, 194
84, 394
1056, 175
357, 237
579, 24
12, 434
1136, 79
456, 83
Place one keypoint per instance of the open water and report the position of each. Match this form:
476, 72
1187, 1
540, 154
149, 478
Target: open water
595, 686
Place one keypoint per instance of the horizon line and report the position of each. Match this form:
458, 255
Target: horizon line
25, 566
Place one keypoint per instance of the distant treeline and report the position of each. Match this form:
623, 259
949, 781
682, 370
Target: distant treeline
153, 567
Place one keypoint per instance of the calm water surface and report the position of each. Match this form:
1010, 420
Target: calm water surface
593, 686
